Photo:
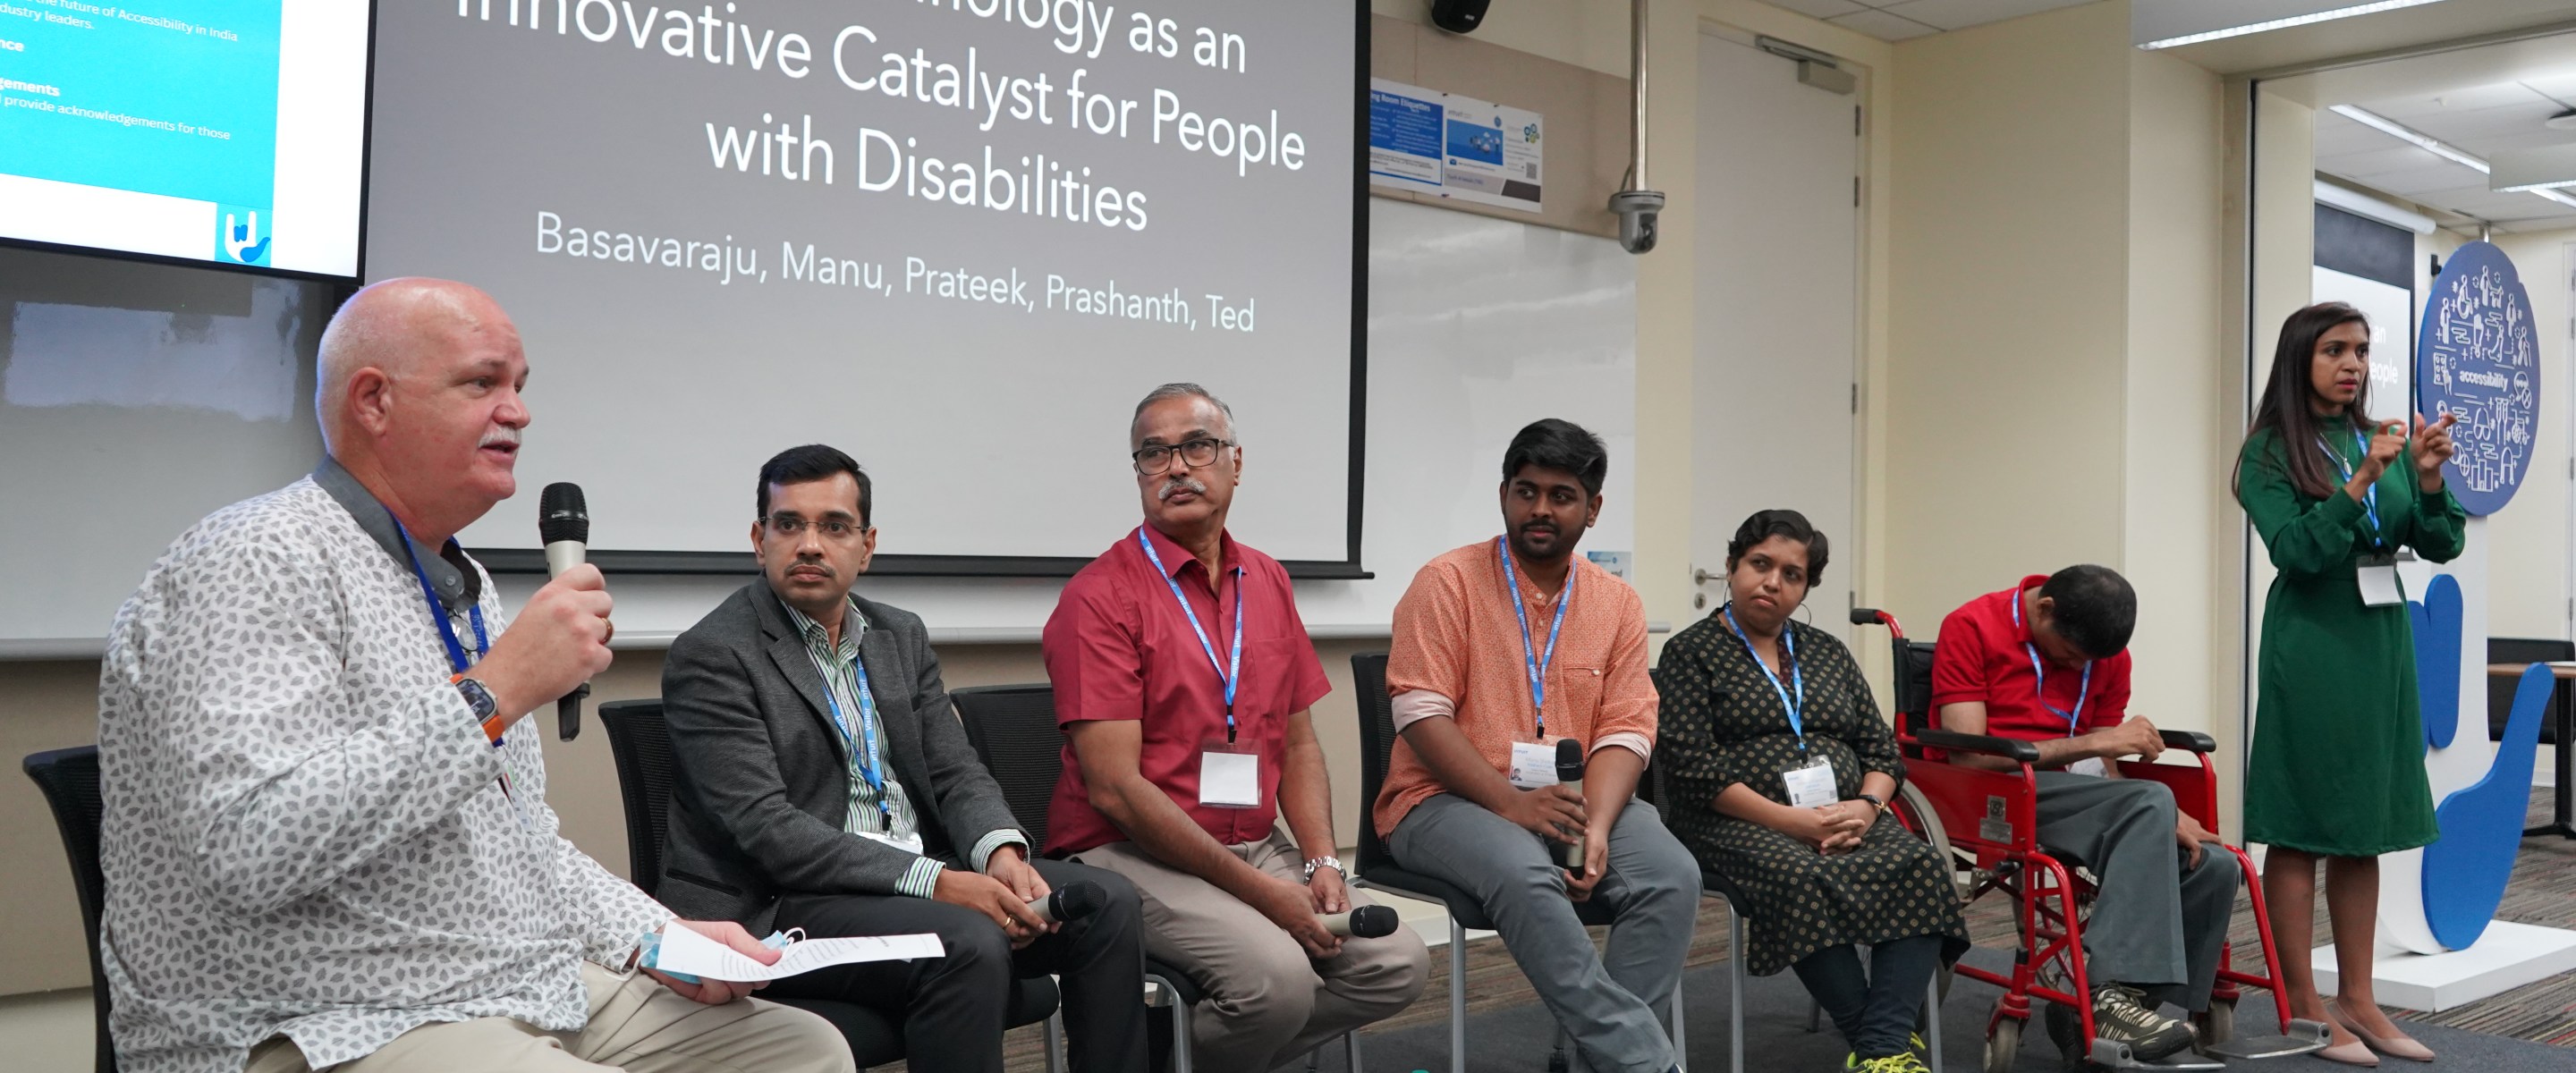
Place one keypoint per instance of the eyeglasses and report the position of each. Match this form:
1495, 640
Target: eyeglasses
789, 525
1195, 454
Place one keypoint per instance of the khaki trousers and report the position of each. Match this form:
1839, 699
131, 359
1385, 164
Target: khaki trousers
635, 1024
1267, 1002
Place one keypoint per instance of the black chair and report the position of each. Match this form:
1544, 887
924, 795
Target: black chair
641, 742
1377, 870
1014, 732
2554, 731
69, 779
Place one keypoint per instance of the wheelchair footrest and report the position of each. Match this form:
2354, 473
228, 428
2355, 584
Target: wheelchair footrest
2304, 1036
2107, 1054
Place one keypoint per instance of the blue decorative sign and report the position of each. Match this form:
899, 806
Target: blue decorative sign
2479, 357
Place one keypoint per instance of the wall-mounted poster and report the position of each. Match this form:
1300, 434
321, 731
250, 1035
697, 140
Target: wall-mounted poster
2479, 357
1451, 146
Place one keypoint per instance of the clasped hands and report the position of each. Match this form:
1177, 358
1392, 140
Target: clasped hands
1833, 829
1556, 813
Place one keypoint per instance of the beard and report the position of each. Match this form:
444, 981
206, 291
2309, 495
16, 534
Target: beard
1546, 543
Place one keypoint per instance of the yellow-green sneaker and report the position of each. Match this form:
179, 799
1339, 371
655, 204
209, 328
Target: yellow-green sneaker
1901, 1062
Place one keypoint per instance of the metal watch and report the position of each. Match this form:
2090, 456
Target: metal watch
1319, 863
478, 698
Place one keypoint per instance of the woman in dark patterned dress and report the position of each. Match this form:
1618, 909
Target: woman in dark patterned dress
1753, 702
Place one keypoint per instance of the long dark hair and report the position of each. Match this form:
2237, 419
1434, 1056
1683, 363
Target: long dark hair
2284, 406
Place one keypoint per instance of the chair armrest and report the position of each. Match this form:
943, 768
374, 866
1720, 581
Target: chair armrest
2190, 741
2008, 748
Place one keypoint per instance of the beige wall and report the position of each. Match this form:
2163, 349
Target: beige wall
2528, 566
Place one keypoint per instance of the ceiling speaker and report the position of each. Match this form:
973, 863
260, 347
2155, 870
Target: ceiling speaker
1459, 16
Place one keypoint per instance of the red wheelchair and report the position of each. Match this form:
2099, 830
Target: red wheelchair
1988, 820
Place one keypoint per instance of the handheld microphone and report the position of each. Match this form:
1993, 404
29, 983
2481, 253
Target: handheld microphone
563, 524
1070, 902
1362, 922
1569, 773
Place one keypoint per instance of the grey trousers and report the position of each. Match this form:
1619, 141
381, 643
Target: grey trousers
2155, 924
1606, 1001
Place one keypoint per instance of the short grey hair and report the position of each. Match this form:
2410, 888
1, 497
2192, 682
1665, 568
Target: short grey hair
1182, 389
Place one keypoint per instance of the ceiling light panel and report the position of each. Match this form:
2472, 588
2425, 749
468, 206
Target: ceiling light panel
2153, 22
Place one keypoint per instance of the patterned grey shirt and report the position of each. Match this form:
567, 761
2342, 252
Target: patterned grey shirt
839, 667
305, 830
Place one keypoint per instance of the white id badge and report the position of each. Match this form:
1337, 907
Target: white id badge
2378, 576
1811, 786
2091, 765
1229, 776
1533, 764
909, 845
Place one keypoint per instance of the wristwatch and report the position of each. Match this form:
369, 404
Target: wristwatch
478, 698
1874, 802
1316, 864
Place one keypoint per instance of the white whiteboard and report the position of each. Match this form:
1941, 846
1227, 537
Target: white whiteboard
1477, 326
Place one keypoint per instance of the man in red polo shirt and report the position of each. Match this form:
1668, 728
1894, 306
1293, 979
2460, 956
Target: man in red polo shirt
2047, 662
1182, 678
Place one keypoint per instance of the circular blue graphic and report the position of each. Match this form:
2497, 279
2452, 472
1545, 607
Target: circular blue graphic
2479, 357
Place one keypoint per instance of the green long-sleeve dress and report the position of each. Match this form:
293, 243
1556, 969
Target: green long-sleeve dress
2338, 764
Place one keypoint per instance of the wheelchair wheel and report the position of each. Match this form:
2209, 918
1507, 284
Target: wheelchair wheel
2003, 1045
1915, 811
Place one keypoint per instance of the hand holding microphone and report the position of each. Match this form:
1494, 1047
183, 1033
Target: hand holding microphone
1569, 774
1362, 922
1069, 903
563, 525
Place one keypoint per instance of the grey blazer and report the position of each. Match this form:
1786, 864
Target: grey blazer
763, 786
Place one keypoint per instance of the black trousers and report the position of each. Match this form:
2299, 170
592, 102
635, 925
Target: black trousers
952, 1008
1874, 1010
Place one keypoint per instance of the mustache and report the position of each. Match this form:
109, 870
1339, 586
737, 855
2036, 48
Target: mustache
500, 437
1177, 485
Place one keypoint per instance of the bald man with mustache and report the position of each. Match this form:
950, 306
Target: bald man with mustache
326, 835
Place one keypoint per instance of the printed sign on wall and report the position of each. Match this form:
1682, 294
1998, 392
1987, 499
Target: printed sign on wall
1455, 147
2479, 357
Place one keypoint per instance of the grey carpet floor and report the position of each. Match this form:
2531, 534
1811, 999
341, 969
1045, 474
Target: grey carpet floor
2490, 1036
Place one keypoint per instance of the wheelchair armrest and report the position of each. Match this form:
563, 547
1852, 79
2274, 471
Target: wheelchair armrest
2008, 748
2190, 741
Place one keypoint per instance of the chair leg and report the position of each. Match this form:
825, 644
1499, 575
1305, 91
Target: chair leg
1735, 1001
1815, 1016
1681, 1049
1055, 1042
1351, 1048
1932, 1020
1180, 1036
1457, 997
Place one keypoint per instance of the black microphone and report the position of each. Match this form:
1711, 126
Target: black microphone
563, 525
1362, 922
1569, 773
1070, 902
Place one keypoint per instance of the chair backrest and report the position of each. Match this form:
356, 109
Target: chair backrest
69, 781
641, 741
1377, 740
2500, 690
1913, 684
1013, 731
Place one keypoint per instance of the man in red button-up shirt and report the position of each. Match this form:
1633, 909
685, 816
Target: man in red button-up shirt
1182, 679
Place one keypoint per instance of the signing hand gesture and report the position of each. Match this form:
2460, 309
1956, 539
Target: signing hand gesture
2385, 444
2432, 446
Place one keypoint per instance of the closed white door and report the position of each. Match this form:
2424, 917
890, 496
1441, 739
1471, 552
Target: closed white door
1775, 388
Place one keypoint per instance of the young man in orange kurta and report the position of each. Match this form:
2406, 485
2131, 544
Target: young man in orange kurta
1503, 650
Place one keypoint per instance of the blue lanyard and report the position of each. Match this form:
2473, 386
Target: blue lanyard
2074, 719
863, 742
438, 611
2370, 495
1797, 675
1536, 662
1229, 675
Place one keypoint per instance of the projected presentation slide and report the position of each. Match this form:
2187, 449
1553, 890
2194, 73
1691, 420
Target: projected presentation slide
229, 132
956, 238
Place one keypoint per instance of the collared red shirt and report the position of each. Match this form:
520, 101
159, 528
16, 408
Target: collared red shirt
839, 667
1980, 657
1119, 647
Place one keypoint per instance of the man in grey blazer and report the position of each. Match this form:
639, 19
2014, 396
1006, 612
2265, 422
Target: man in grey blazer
825, 783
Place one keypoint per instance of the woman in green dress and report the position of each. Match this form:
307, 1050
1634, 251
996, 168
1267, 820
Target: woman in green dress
2337, 770
1753, 702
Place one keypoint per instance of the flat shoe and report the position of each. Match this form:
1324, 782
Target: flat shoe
2351, 1054
2399, 1047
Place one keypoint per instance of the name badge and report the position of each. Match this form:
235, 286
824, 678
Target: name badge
2378, 577
1533, 764
2091, 765
910, 845
1229, 776
1811, 786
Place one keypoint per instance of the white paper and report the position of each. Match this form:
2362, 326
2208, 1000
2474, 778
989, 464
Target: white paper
685, 951
1231, 780
1811, 786
2091, 765
1533, 764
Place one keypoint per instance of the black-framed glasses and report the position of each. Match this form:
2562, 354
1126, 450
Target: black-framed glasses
1196, 454
791, 525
